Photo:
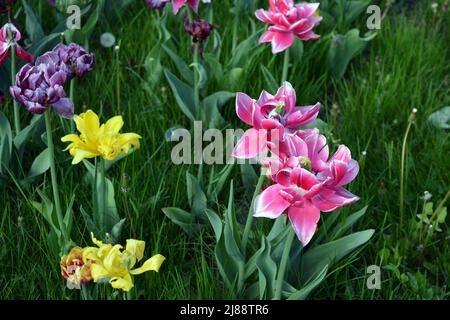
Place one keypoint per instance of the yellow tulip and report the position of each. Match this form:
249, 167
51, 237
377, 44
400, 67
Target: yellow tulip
97, 140
115, 265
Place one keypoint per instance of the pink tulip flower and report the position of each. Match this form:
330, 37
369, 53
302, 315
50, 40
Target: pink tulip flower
287, 19
6, 42
275, 121
177, 4
303, 192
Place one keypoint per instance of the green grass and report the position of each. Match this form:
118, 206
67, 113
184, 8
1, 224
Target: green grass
406, 66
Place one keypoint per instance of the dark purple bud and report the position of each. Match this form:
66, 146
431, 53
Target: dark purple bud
199, 30
7, 5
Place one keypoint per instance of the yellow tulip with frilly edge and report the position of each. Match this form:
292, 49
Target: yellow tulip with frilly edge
97, 140
113, 264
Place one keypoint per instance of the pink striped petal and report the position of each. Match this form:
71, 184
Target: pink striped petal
303, 116
329, 199
281, 41
317, 151
245, 108
267, 37
251, 144
304, 221
271, 203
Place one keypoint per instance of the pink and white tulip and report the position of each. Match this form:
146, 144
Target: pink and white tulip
287, 20
177, 4
6, 43
275, 121
308, 185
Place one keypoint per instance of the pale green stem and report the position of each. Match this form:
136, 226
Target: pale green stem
55, 187
285, 66
248, 223
402, 174
102, 196
283, 264
13, 79
119, 108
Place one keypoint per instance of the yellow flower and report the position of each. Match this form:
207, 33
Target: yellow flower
115, 265
97, 140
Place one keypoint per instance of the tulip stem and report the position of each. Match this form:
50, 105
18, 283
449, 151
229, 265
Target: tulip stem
51, 148
248, 223
13, 80
285, 66
72, 98
283, 264
117, 56
102, 195
196, 80
402, 167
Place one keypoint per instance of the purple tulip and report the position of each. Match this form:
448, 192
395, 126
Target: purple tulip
199, 30
74, 59
40, 87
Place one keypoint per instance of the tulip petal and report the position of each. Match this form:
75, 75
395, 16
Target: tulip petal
23, 55
135, 248
304, 221
251, 144
125, 283
65, 108
329, 199
303, 116
152, 264
271, 203
281, 41
245, 108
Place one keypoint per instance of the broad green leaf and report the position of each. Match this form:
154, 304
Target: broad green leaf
349, 222
215, 222
202, 74
182, 67
317, 258
32, 24
311, 285
40, 165
183, 93
267, 270
343, 48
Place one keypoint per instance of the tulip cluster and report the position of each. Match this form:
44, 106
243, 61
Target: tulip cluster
305, 180
107, 263
287, 20
41, 86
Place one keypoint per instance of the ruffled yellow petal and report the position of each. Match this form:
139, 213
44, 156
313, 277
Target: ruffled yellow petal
135, 248
98, 243
90, 254
152, 264
98, 272
88, 123
113, 125
114, 261
125, 283
80, 154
